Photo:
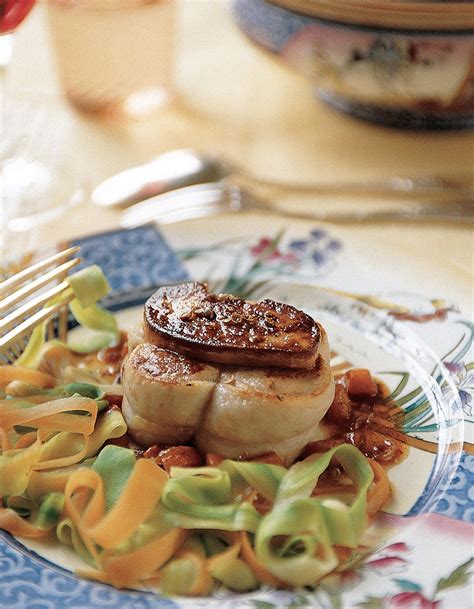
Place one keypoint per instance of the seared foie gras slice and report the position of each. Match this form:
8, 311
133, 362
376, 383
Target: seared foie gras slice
165, 394
220, 328
254, 411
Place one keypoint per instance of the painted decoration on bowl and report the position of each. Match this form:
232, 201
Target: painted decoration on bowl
401, 77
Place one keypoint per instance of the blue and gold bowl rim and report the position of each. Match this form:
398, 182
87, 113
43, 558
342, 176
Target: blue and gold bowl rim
399, 14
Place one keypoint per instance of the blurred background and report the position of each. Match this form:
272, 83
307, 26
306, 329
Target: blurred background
229, 97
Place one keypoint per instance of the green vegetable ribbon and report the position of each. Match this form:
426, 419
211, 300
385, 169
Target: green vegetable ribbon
295, 540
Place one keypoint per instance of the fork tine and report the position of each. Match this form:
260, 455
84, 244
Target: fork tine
25, 327
9, 284
62, 323
29, 307
50, 329
63, 317
38, 283
191, 213
15, 349
194, 197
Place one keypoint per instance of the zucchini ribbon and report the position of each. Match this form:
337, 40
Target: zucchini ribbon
198, 526
86, 287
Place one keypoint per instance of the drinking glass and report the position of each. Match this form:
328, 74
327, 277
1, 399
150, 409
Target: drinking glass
114, 57
38, 178
35, 182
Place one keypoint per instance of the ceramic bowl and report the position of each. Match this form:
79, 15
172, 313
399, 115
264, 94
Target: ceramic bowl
408, 65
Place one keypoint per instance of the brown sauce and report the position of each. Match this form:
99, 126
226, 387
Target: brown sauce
110, 359
366, 421
114, 355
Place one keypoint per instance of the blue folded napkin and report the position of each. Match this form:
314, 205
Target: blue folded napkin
135, 262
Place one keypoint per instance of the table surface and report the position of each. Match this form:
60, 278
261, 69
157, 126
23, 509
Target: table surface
233, 100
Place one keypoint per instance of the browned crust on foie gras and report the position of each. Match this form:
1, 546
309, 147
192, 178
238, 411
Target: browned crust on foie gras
221, 328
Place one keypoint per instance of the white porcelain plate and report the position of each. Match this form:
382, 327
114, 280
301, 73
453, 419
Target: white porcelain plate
421, 347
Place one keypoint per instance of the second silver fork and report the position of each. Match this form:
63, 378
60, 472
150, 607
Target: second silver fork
222, 197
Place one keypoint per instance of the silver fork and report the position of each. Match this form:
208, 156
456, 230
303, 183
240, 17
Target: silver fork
221, 197
24, 301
